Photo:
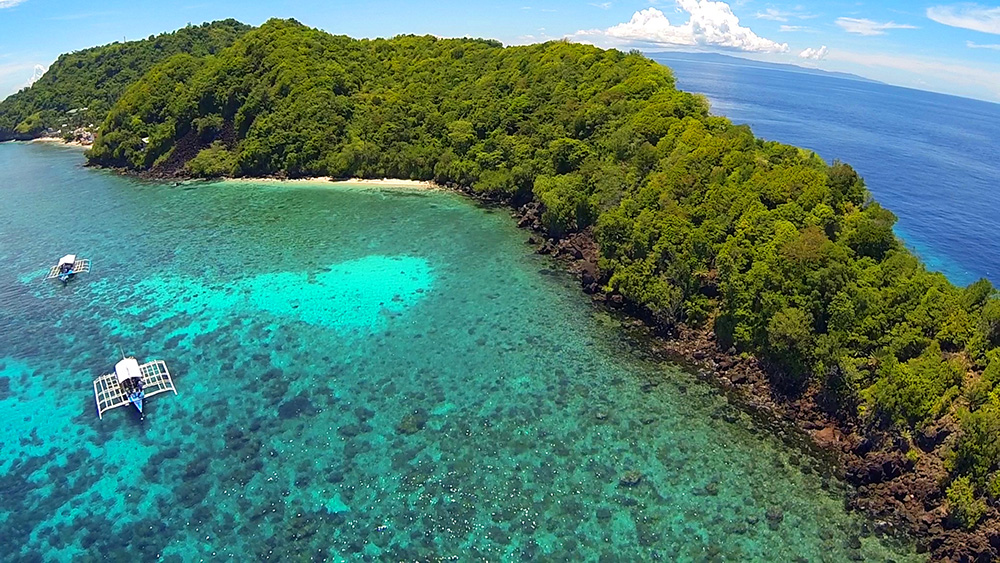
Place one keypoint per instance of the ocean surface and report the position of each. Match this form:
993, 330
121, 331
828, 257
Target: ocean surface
934, 160
362, 374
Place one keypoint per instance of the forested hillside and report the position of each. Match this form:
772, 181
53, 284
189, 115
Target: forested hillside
95, 78
699, 222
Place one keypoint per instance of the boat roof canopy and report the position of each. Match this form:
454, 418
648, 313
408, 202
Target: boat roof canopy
68, 259
127, 369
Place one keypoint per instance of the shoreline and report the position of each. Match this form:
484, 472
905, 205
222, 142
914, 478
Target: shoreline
55, 141
327, 181
899, 497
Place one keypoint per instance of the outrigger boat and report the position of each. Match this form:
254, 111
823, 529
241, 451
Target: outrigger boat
131, 384
68, 267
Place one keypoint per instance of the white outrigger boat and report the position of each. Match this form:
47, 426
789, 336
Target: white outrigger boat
68, 267
130, 384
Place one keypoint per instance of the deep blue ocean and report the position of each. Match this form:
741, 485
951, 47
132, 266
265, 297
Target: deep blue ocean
934, 160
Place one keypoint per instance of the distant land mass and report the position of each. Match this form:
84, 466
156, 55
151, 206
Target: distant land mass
718, 58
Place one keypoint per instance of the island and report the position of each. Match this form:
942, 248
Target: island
757, 261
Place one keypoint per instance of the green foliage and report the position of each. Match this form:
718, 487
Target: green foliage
96, 78
298, 101
214, 161
565, 200
32, 125
963, 506
697, 220
208, 127
976, 453
789, 337
913, 392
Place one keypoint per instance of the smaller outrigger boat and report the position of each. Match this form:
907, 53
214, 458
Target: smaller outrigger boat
131, 384
68, 267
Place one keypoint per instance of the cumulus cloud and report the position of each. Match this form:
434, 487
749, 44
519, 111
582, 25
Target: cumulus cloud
9, 3
39, 71
814, 54
967, 16
869, 27
710, 23
972, 45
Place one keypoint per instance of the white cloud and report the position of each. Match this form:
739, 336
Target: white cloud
9, 3
38, 73
774, 15
602, 5
972, 45
814, 54
787, 28
710, 24
948, 74
777, 15
967, 16
12, 77
869, 27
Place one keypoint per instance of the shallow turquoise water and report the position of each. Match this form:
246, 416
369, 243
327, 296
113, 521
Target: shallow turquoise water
362, 374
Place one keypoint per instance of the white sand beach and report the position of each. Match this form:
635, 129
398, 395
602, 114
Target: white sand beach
351, 182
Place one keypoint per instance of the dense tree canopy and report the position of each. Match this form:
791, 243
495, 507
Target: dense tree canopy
698, 221
95, 78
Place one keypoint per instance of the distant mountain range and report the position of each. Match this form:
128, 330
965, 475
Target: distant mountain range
717, 58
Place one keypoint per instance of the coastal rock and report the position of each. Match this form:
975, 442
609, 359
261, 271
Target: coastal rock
300, 405
645, 532
712, 488
775, 516
631, 478
413, 422
196, 468
933, 436
876, 468
828, 437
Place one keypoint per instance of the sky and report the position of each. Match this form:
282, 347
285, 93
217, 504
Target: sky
942, 46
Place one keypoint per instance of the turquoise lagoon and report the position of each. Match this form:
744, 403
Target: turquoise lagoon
363, 374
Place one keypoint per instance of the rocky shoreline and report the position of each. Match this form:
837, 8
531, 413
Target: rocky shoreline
900, 493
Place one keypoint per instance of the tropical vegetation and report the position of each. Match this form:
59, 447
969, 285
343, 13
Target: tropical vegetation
80, 87
785, 256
